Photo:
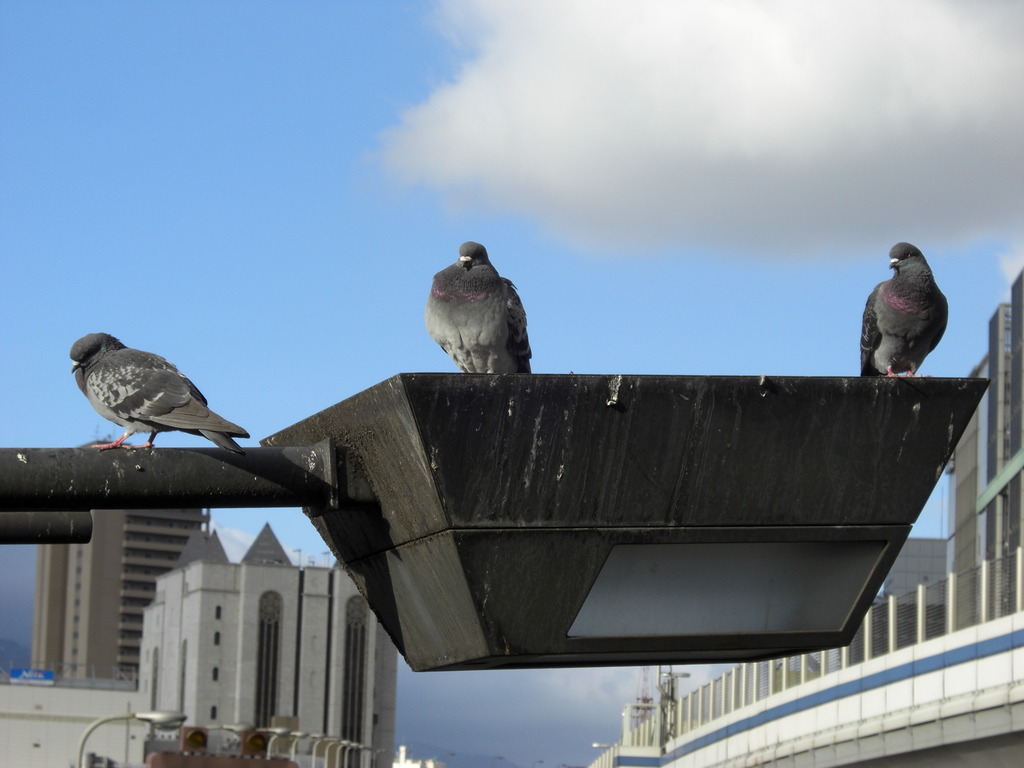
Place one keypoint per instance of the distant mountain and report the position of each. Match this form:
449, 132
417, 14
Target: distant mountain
417, 750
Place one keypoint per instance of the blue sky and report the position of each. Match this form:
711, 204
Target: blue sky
261, 191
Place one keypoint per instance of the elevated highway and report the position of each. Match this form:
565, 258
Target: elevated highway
933, 678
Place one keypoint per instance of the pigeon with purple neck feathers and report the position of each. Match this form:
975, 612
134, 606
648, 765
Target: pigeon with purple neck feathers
904, 318
476, 316
142, 392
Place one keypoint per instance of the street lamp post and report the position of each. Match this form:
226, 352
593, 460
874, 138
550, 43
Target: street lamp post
668, 688
359, 747
275, 734
668, 685
350, 747
159, 719
375, 757
327, 741
296, 737
341, 744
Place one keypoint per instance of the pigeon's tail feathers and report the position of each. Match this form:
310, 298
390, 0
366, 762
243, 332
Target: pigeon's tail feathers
519, 349
196, 418
870, 337
942, 313
192, 415
223, 440
518, 340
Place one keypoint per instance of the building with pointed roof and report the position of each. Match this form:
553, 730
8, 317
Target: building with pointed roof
267, 643
204, 547
266, 549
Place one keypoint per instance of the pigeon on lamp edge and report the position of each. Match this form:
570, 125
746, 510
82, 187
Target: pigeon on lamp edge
476, 316
143, 392
904, 318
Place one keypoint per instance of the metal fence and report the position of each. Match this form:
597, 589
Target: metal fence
982, 593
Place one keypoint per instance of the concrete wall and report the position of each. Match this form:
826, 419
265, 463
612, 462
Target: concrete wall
40, 725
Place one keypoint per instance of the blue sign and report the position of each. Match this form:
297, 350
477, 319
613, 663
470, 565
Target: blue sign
31, 676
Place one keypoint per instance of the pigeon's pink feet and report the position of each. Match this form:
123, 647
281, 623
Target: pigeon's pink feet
120, 443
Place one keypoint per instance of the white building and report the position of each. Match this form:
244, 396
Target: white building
40, 725
403, 760
266, 643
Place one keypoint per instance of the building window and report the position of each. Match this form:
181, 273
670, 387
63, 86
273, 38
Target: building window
216, 674
213, 713
354, 690
268, 654
216, 638
181, 675
155, 675
216, 612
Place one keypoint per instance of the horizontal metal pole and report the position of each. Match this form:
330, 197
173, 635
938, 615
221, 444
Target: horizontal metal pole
68, 479
45, 527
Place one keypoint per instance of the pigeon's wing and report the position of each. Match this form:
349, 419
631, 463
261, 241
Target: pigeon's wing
439, 326
870, 336
136, 385
941, 318
153, 391
518, 341
192, 415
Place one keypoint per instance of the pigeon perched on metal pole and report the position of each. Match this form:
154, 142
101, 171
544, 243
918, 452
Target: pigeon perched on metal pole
476, 316
142, 392
904, 318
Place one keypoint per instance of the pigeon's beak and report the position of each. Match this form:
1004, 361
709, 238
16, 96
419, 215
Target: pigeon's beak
466, 261
893, 263
75, 366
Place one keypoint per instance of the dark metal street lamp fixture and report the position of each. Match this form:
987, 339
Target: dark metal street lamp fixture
563, 520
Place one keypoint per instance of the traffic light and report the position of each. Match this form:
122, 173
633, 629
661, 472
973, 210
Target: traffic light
193, 740
253, 743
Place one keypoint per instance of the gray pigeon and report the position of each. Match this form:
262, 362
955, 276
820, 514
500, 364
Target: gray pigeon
905, 317
476, 316
142, 392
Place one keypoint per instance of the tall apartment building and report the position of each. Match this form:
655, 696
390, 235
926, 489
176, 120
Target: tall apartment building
987, 512
90, 597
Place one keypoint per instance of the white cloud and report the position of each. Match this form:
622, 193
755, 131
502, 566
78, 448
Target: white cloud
235, 542
745, 124
1011, 261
